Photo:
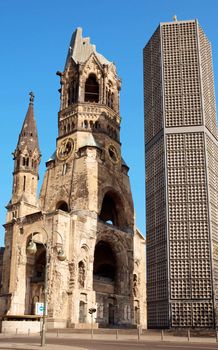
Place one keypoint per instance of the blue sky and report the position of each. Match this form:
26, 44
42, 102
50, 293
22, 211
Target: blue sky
35, 37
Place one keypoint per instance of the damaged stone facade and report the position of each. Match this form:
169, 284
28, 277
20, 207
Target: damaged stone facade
85, 207
1, 263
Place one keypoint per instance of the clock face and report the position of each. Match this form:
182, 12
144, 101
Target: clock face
65, 148
113, 154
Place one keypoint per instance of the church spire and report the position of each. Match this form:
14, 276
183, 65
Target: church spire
27, 158
28, 138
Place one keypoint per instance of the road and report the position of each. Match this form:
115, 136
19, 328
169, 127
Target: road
32, 342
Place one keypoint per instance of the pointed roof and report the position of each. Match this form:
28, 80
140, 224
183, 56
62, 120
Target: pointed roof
80, 49
28, 137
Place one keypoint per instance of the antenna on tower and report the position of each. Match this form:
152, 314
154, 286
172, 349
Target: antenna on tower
175, 18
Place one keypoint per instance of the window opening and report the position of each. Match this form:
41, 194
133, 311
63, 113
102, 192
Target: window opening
104, 262
24, 183
62, 206
91, 89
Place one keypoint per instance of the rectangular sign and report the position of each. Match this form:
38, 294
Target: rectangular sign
39, 309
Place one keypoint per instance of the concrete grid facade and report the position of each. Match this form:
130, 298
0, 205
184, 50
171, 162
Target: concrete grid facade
181, 177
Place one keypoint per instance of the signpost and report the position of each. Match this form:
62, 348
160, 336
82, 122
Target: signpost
39, 308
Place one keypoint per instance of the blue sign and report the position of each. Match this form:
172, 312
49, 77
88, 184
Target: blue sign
39, 309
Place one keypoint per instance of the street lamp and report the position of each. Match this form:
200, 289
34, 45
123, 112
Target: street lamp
32, 249
92, 310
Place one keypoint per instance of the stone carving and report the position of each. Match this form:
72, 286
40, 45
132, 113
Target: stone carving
72, 276
65, 148
81, 275
135, 286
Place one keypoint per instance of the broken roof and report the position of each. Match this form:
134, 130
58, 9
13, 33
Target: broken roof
80, 49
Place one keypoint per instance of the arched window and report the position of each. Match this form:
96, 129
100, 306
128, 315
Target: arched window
112, 210
108, 210
109, 98
38, 263
97, 125
73, 93
62, 206
91, 89
85, 124
39, 267
24, 183
104, 262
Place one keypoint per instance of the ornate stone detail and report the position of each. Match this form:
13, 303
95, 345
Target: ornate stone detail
65, 148
81, 274
113, 153
72, 276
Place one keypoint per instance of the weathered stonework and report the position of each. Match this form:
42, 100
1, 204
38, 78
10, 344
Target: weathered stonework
85, 208
1, 263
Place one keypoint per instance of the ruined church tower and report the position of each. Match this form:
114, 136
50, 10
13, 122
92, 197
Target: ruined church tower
85, 206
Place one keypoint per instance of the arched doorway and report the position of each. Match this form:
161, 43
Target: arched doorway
35, 277
104, 263
82, 312
105, 282
111, 314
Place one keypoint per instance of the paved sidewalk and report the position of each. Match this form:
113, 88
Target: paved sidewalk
28, 345
7, 341
133, 337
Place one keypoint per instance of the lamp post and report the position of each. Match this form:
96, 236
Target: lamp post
92, 310
32, 249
